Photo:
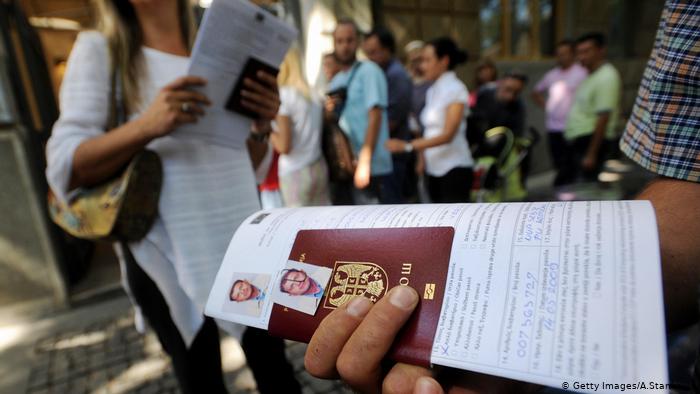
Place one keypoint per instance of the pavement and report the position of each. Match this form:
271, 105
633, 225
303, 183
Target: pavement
95, 349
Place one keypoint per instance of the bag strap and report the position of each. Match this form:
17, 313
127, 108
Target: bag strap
353, 71
117, 110
355, 67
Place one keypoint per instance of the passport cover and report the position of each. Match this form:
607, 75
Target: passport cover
369, 262
250, 70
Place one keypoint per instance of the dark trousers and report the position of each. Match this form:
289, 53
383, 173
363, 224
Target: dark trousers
455, 186
266, 358
557, 147
341, 192
382, 189
401, 174
197, 368
409, 189
572, 171
558, 151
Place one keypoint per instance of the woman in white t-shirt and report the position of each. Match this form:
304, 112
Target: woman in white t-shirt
448, 161
303, 175
207, 190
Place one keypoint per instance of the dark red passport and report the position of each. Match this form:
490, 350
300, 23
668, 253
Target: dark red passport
369, 262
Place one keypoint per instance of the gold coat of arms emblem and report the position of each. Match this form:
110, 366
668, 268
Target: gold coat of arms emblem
351, 279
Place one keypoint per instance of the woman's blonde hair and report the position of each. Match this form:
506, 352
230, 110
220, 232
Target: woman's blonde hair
117, 21
290, 73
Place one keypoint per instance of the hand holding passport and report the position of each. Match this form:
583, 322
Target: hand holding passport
542, 292
367, 263
236, 40
251, 100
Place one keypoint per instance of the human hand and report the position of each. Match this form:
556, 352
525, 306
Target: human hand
395, 145
329, 106
589, 162
173, 106
262, 97
352, 341
330, 103
363, 171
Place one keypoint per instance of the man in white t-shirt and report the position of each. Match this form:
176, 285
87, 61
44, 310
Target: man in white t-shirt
555, 93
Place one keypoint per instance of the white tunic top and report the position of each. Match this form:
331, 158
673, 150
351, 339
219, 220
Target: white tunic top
439, 160
207, 190
306, 117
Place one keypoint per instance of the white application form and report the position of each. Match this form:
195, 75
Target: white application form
232, 31
564, 294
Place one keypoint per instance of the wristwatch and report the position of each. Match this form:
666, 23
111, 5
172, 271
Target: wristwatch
259, 137
408, 148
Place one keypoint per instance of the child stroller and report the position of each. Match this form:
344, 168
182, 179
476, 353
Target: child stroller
498, 165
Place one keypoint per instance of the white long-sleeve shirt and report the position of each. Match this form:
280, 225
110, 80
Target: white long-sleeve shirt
207, 190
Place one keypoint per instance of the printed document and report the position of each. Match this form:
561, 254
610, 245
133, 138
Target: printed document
554, 293
232, 31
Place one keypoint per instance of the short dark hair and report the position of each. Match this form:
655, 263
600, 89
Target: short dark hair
516, 74
284, 275
347, 21
487, 63
567, 43
330, 55
445, 46
385, 38
597, 38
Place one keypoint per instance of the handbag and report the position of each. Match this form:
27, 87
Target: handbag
338, 153
336, 146
122, 208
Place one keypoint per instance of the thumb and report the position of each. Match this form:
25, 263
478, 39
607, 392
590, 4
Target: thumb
427, 385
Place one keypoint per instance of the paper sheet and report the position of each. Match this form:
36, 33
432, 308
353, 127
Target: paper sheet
231, 32
565, 294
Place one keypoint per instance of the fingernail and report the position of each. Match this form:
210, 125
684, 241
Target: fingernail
427, 386
358, 306
403, 297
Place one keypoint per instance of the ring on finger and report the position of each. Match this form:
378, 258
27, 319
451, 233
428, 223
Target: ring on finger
185, 107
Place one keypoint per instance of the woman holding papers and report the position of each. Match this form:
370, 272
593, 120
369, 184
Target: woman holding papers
303, 173
207, 190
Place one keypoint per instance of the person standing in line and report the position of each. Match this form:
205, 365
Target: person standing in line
207, 190
415, 189
363, 118
485, 73
414, 61
330, 66
555, 94
380, 47
499, 104
303, 174
448, 161
591, 125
